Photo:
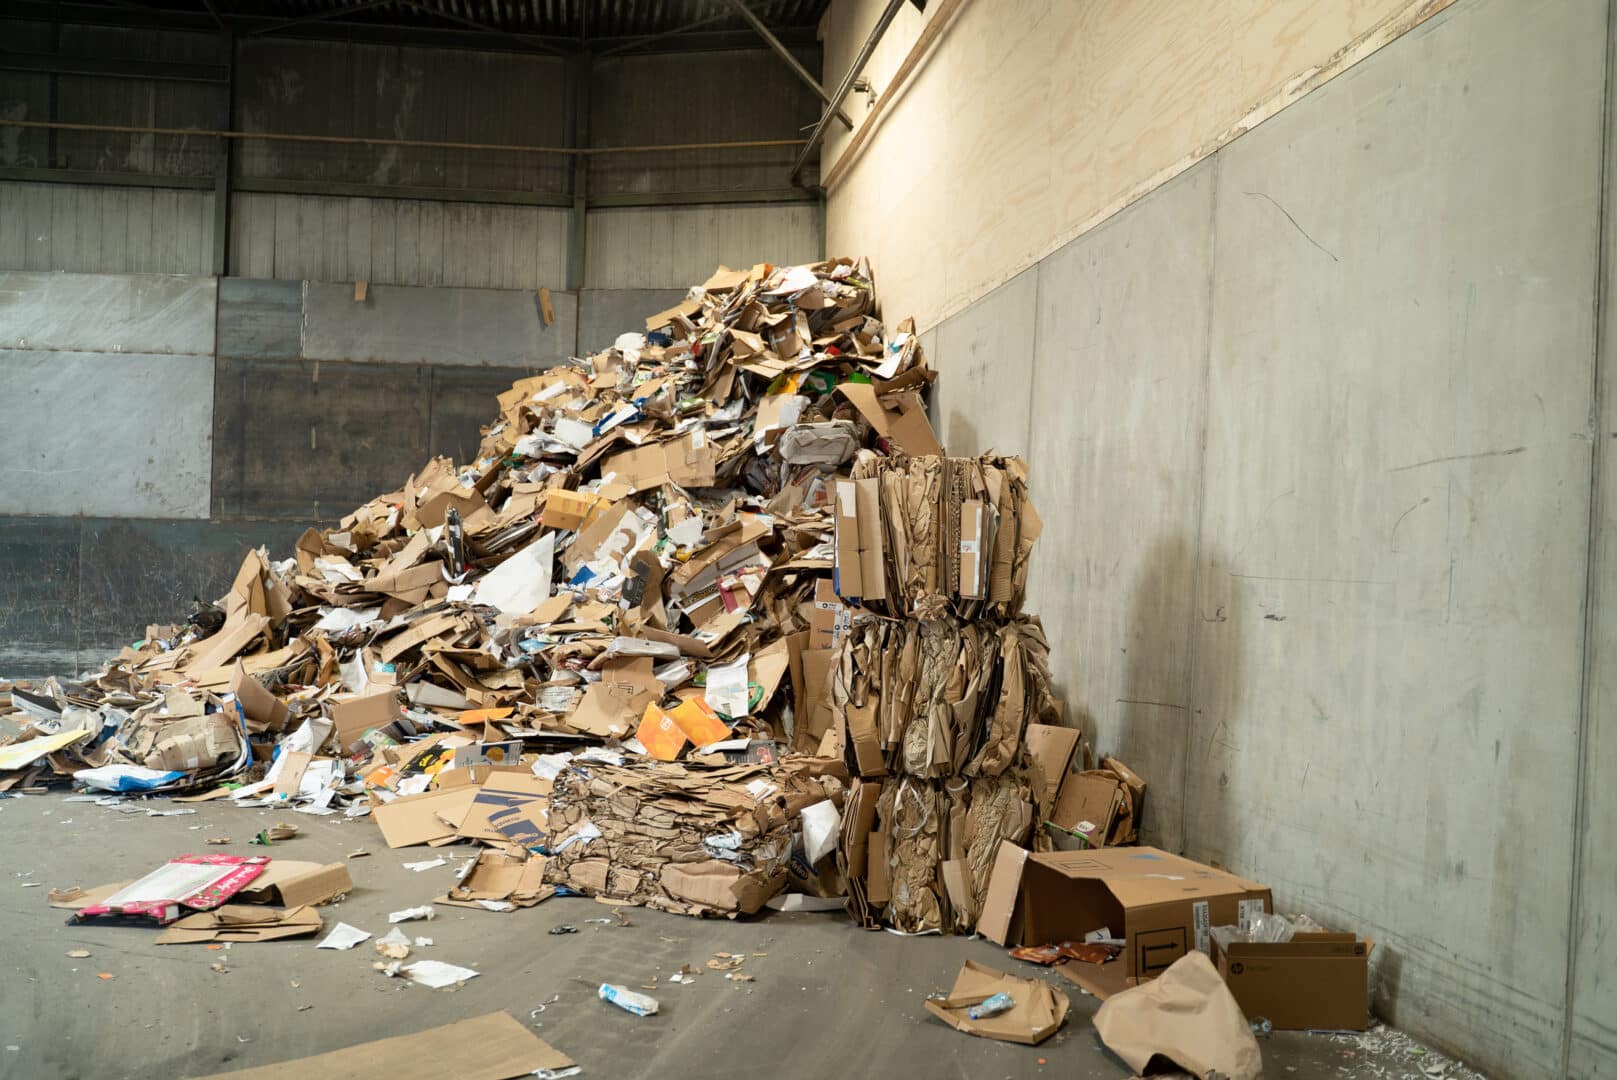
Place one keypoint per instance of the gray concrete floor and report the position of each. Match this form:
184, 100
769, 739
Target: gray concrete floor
828, 1000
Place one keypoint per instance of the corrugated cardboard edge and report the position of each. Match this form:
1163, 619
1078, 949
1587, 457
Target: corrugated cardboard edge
491, 1047
1004, 886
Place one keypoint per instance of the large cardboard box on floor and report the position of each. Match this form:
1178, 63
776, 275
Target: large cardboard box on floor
1312, 982
1160, 905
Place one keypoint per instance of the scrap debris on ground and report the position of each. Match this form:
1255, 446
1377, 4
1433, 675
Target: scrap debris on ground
696, 596
710, 622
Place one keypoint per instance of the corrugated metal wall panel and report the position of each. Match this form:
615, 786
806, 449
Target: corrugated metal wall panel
331, 88
92, 229
703, 97
397, 241
657, 248
98, 100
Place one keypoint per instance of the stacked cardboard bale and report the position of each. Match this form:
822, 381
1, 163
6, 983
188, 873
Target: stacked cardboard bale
697, 839
935, 683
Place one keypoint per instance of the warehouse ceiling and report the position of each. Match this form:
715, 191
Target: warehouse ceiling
560, 26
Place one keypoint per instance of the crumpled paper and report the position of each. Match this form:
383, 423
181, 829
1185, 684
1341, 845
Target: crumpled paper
1186, 1017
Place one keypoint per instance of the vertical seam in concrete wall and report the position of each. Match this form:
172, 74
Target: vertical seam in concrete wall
78, 601
1605, 221
1193, 631
1033, 381
825, 237
240, 434
432, 394
213, 387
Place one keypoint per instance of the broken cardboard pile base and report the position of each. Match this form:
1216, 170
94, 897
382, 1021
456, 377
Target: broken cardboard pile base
218, 898
945, 710
639, 496
239, 923
491, 1047
695, 840
186, 883
500, 881
690, 535
1038, 1011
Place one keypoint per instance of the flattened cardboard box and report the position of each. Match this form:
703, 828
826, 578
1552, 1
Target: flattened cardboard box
491, 1047
1052, 748
239, 923
1039, 1010
498, 795
1162, 905
423, 818
688, 461
291, 883
357, 715
1312, 982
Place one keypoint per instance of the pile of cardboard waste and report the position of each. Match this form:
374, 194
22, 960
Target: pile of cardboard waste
709, 615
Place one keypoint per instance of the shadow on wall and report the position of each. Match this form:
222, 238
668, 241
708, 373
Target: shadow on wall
961, 434
1159, 729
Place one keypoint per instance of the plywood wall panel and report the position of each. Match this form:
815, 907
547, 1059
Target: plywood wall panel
1030, 122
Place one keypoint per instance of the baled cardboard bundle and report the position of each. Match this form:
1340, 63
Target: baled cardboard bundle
689, 839
940, 698
925, 537
932, 848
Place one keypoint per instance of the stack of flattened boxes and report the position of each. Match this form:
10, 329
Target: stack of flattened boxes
936, 683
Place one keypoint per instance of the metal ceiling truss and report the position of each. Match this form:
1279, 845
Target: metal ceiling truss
451, 24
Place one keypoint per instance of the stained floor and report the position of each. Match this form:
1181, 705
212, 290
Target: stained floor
827, 1000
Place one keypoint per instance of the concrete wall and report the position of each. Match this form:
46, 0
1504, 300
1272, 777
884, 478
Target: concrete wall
1593, 1023
155, 426
1313, 434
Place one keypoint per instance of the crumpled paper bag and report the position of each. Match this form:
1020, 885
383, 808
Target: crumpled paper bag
1187, 1018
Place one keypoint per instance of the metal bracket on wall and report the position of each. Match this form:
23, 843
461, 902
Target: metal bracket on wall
848, 78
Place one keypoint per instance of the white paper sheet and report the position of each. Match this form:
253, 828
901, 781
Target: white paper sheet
426, 864
339, 619
574, 433
408, 914
727, 687
437, 974
821, 825
343, 936
801, 902
522, 582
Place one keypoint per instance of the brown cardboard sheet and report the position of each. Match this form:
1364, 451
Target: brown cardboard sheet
1039, 1010
490, 1047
